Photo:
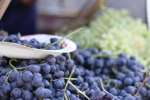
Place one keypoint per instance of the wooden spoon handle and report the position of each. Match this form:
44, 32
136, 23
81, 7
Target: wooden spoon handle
3, 6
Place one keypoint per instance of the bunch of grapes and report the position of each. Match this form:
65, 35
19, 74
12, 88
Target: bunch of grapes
53, 44
87, 74
123, 77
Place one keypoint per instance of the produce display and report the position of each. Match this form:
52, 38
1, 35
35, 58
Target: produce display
86, 74
117, 31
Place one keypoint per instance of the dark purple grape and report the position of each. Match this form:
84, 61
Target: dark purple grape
143, 91
46, 83
59, 74
53, 40
46, 68
6, 88
27, 95
27, 76
16, 93
28, 86
128, 81
34, 68
113, 91
79, 59
129, 97
43, 93
130, 89
13, 75
37, 80
59, 83
51, 59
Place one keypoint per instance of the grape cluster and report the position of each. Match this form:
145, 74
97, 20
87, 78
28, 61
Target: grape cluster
123, 77
52, 45
87, 74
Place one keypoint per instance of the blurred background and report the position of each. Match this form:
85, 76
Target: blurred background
51, 16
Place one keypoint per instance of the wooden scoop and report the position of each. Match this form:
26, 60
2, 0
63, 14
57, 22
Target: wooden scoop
3, 6
13, 50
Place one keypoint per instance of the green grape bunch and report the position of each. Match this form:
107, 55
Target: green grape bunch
117, 31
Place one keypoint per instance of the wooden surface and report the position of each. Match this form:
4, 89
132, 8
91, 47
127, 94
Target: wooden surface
3, 6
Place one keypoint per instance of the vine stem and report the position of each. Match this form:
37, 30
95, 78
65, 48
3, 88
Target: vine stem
103, 89
143, 83
7, 75
67, 36
69, 78
83, 93
11, 65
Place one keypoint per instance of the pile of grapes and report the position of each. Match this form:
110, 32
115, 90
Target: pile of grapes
87, 74
53, 44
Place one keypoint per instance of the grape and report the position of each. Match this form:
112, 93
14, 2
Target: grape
123, 93
70, 64
27, 95
79, 59
59, 93
143, 91
130, 89
43, 92
16, 93
99, 63
121, 61
27, 76
53, 68
46, 83
13, 84
59, 74
73, 97
13, 75
113, 91
46, 68
53, 40
28, 86
51, 60
34, 68
6, 88
128, 81
19, 99
59, 83
84, 86
37, 80
120, 75
60, 59
129, 97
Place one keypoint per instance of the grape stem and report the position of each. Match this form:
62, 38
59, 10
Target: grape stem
83, 93
67, 36
70, 76
11, 65
147, 77
73, 79
7, 75
21, 68
103, 89
66, 97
